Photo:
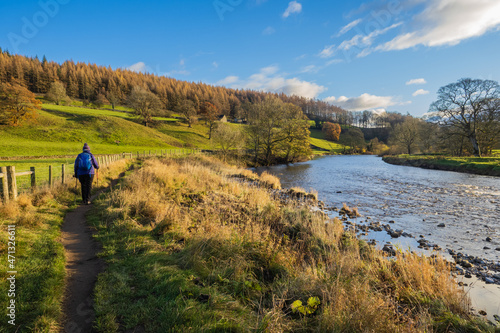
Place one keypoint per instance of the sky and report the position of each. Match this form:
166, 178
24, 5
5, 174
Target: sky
360, 55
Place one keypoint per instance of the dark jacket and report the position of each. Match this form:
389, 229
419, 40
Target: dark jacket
94, 166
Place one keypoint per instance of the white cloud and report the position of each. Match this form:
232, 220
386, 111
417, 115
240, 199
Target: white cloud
215, 64
363, 102
139, 67
365, 52
182, 62
270, 70
361, 42
416, 81
268, 79
348, 27
228, 80
310, 69
294, 7
366, 40
328, 51
298, 87
420, 92
268, 31
334, 61
448, 22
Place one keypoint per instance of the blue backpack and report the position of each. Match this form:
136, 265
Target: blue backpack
84, 163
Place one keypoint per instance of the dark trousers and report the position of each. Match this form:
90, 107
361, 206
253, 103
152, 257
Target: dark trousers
86, 181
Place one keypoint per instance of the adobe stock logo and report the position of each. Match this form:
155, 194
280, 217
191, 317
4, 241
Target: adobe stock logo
224, 6
31, 27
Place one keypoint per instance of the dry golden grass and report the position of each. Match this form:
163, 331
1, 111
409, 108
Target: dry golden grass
225, 230
248, 175
10, 210
270, 181
298, 190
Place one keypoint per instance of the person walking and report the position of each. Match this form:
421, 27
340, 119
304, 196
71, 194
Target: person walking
85, 166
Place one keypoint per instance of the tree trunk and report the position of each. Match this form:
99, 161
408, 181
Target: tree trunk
475, 146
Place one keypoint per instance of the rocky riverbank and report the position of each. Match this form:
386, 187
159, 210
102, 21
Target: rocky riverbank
486, 270
444, 164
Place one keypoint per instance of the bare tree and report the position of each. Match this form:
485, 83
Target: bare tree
463, 104
227, 137
188, 110
211, 114
145, 104
489, 131
407, 134
57, 93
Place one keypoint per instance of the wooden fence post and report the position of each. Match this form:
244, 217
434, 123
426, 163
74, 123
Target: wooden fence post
5, 185
50, 176
11, 177
33, 178
63, 173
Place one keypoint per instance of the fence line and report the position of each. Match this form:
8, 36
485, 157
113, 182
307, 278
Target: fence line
8, 175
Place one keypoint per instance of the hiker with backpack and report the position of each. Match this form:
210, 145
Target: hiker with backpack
85, 166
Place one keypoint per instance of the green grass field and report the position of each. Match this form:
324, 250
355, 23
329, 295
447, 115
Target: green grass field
120, 112
41, 170
196, 136
477, 165
62, 130
82, 111
321, 146
451, 160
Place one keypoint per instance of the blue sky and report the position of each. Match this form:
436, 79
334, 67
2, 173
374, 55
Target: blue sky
382, 55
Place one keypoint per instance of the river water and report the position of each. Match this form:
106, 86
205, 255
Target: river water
414, 200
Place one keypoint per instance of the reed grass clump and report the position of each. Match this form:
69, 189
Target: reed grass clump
270, 181
204, 251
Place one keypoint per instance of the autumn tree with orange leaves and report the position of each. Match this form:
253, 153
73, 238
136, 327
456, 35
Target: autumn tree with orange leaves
332, 131
17, 104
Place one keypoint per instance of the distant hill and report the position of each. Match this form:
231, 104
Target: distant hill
89, 82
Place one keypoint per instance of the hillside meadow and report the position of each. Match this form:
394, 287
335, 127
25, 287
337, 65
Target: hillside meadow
62, 130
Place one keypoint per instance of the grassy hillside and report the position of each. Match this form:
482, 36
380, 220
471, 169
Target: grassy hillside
196, 136
62, 130
321, 146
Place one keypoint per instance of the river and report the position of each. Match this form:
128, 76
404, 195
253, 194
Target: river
414, 200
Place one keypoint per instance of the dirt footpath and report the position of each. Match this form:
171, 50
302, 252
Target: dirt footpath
82, 268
